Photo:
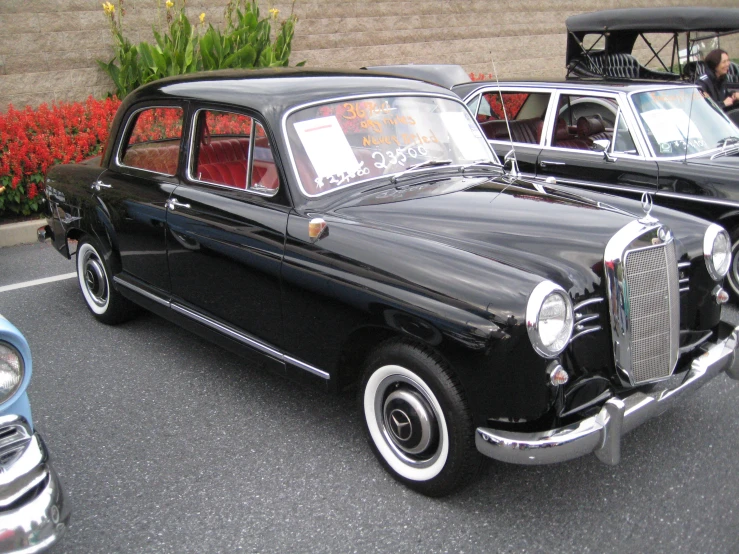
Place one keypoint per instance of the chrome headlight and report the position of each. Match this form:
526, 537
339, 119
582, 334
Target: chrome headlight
11, 371
717, 251
549, 319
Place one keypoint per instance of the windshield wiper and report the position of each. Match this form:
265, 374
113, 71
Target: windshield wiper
481, 163
427, 163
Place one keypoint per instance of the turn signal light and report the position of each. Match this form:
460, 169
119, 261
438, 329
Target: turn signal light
722, 297
558, 376
316, 228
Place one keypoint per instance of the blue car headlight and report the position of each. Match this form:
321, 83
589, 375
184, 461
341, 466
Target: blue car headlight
11, 371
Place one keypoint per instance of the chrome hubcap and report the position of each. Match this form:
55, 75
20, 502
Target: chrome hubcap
95, 281
408, 422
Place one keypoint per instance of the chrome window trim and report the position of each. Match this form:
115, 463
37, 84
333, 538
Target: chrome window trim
117, 158
249, 160
299, 107
514, 89
626, 113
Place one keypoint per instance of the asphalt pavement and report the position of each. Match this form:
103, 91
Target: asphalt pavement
167, 443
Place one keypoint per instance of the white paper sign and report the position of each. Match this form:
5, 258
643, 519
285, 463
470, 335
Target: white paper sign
671, 125
326, 146
466, 136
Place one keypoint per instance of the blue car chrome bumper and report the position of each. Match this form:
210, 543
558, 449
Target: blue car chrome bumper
601, 434
33, 510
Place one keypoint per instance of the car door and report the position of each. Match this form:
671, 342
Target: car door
134, 190
512, 118
227, 223
590, 142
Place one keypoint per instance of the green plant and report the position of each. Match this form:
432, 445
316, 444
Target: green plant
246, 42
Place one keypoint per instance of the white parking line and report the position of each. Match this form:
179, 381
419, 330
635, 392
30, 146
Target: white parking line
38, 282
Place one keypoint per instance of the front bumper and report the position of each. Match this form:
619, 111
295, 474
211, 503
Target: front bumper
601, 434
33, 510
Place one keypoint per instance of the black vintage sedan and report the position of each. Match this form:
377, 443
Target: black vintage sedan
665, 140
358, 231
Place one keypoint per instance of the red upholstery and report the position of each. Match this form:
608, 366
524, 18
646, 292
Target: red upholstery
223, 150
527, 131
161, 159
592, 128
563, 138
232, 174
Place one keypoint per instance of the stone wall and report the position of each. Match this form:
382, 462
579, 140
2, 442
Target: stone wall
49, 48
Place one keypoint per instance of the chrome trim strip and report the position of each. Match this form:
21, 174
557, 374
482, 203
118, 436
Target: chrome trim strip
307, 367
683, 265
695, 198
248, 340
118, 281
584, 303
601, 434
585, 332
606, 186
409, 93
581, 319
685, 289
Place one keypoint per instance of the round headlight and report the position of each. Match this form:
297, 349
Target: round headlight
717, 251
549, 319
11, 371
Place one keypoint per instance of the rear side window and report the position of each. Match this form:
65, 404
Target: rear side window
233, 150
154, 139
524, 111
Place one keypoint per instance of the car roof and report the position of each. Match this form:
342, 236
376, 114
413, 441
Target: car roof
278, 89
584, 85
655, 20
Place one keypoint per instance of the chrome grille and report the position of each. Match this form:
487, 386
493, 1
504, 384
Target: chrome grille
644, 293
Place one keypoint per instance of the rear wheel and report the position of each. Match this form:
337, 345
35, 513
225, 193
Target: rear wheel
417, 421
93, 275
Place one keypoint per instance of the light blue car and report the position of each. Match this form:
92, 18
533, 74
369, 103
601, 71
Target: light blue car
33, 508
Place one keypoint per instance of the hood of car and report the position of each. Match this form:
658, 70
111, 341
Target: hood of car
558, 235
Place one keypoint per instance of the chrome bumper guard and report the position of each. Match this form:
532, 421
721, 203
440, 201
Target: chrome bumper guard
601, 434
33, 510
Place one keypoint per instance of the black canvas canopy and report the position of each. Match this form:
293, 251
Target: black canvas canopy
655, 20
611, 36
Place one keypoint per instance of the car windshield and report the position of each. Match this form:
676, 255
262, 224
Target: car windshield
339, 144
679, 122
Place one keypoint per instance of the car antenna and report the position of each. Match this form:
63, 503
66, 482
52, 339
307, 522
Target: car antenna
511, 155
690, 118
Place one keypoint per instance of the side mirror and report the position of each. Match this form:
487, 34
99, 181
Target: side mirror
510, 164
602, 145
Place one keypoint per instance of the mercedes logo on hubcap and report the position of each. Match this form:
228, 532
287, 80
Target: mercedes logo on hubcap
400, 425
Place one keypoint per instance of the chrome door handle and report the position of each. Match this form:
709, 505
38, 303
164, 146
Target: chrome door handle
172, 203
97, 185
545, 163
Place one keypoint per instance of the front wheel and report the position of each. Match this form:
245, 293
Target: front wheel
733, 276
417, 421
93, 275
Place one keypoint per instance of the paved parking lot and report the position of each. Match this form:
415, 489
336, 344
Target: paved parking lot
166, 443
